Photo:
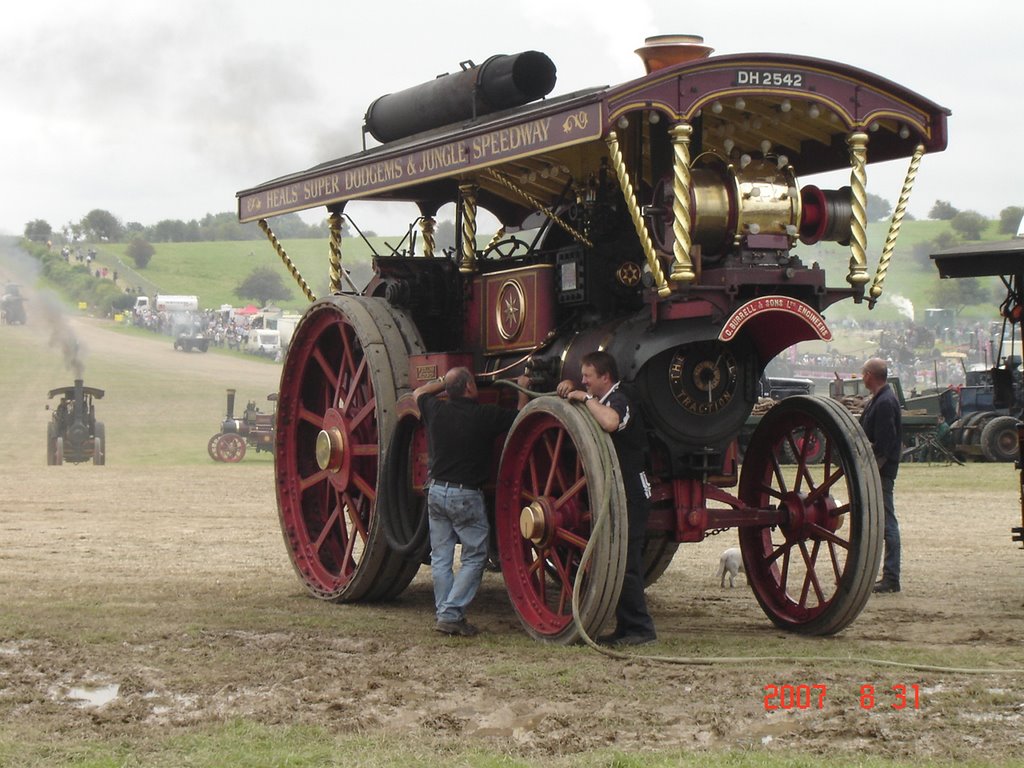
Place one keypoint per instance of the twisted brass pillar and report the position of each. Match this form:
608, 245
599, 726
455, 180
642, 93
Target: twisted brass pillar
467, 195
427, 230
634, 211
895, 224
858, 143
334, 271
682, 268
287, 261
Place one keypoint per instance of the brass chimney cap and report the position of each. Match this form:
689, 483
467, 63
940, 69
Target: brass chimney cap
661, 51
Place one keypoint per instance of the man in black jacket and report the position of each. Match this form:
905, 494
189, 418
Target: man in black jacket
615, 412
883, 425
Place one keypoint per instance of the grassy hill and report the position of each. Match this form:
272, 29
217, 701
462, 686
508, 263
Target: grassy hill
909, 275
211, 270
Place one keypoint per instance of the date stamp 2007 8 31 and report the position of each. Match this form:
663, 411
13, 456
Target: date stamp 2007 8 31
898, 696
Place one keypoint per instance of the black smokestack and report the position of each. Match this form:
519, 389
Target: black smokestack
79, 400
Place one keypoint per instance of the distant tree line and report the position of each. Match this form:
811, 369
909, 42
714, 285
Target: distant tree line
100, 226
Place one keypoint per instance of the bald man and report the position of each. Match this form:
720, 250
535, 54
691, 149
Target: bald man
883, 425
461, 434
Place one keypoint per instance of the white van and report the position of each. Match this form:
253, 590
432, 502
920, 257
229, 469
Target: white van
263, 342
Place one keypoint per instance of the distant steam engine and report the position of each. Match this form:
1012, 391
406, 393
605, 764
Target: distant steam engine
73, 433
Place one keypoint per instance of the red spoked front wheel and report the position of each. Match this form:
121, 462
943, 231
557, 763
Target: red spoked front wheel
812, 573
230, 448
559, 475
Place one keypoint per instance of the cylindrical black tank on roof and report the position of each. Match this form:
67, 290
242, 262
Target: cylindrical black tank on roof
499, 83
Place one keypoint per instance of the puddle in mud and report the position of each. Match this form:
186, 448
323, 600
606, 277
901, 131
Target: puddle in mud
94, 697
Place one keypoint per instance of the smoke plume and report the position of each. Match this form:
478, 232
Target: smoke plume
62, 336
18, 267
903, 305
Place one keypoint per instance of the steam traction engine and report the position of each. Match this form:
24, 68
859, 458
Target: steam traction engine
73, 433
660, 220
254, 428
12, 305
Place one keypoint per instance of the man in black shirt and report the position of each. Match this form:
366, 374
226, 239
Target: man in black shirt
882, 424
460, 434
605, 400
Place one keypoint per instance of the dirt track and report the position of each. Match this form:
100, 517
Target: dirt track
172, 583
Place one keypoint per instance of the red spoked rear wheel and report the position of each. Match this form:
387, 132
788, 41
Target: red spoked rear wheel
336, 411
813, 572
558, 475
211, 447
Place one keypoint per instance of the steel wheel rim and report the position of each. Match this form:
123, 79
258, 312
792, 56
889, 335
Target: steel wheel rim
1007, 441
546, 465
211, 447
813, 572
328, 519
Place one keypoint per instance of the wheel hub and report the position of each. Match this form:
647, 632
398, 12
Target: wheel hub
330, 449
795, 513
533, 523
798, 515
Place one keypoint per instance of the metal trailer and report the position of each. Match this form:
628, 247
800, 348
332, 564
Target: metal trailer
922, 435
660, 220
1006, 261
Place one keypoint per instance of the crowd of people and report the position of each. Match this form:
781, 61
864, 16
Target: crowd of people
919, 355
223, 328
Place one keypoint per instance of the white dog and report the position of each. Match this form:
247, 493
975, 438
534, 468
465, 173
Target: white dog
731, 562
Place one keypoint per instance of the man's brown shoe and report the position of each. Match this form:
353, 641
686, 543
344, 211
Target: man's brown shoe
461, 628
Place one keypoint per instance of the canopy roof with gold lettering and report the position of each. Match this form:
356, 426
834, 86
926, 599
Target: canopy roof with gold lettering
800, 107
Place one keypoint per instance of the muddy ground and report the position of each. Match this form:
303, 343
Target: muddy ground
148, 598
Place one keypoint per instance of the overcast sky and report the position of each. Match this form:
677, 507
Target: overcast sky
165, 110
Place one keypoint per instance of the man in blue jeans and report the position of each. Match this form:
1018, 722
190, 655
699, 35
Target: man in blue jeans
460, 434
883, 424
